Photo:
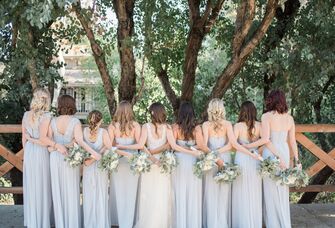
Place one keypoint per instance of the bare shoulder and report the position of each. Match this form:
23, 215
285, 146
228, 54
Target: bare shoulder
111, 127
266, 116
206, 124
227, 123
136, 124
197, 128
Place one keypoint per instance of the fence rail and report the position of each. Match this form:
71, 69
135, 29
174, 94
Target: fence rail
325, 159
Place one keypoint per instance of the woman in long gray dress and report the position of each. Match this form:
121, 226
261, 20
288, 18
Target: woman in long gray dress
219, 136
155, 194
187, 187
36, 169
278, 130
247, 188
95, 180
65, 180
125, 131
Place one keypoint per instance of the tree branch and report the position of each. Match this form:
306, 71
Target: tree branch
99, 57
140, 91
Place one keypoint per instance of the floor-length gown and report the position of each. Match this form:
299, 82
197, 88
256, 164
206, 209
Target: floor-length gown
247, 193
95, 188
276, 197
187, 191
36, 178
155, 194
217, 197
125, 186
65, 181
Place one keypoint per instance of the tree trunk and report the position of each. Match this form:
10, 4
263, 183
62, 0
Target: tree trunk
124, 11
100, 60
285, 19
194, 42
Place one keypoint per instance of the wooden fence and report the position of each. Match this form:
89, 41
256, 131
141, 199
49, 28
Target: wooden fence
325, 159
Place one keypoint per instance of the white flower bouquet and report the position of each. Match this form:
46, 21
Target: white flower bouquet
109, 161
293, 177
168, 161
76, 155
227, 174
205, 162
140, 163
269, 167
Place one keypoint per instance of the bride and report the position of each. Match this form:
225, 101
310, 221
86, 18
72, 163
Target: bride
155, 195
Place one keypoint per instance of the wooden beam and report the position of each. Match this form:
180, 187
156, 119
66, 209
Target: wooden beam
7, 166
14, 190
312, 147
10, 156
315, 188
319, 165
10, 128
321, 128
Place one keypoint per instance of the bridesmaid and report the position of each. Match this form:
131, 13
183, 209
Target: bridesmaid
217, 197
125, 131
247, 188
95, 181
65, 180
36, 166
155, 194
278, 128
187, 187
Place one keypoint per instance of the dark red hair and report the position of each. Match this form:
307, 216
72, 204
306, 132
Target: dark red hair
276, 101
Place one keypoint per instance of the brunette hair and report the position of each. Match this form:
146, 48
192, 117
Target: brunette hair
276, 101
248, 114
157, 113
216, 112
124, 115
186, 119
66, 105
94, 119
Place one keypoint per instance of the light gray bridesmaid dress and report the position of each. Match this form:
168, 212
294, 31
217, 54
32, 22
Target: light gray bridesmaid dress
276, 197
36, 178
247, 193
125, 183
95, 188
217, 197
65, 181
187, 191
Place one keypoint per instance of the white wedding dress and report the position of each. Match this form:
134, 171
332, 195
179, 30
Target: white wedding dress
155, 194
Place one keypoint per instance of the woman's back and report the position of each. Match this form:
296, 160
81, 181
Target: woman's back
98, 143
156, 135
32, 126
242, 132
63, 129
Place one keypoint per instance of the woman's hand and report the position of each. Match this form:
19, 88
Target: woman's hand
220, 163
96, 156
282, 164
154, 160
257, 157
89, 161
61, 148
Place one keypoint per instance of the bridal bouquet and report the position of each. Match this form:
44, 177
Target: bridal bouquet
110, 160
204, 163
76, 155
140, 163
293, 177
269, 167
227, 174
168, 161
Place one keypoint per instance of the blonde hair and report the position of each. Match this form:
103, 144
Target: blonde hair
216, 112
124, 115
40, 103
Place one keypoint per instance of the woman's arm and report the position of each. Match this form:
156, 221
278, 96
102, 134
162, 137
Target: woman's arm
111, 134
43, 131
139, 145
78, 135
172, 141
24, 139
160, 149
226, 148
235, 144
205, 132
265, 134
199, 140
293, 143
108, 144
